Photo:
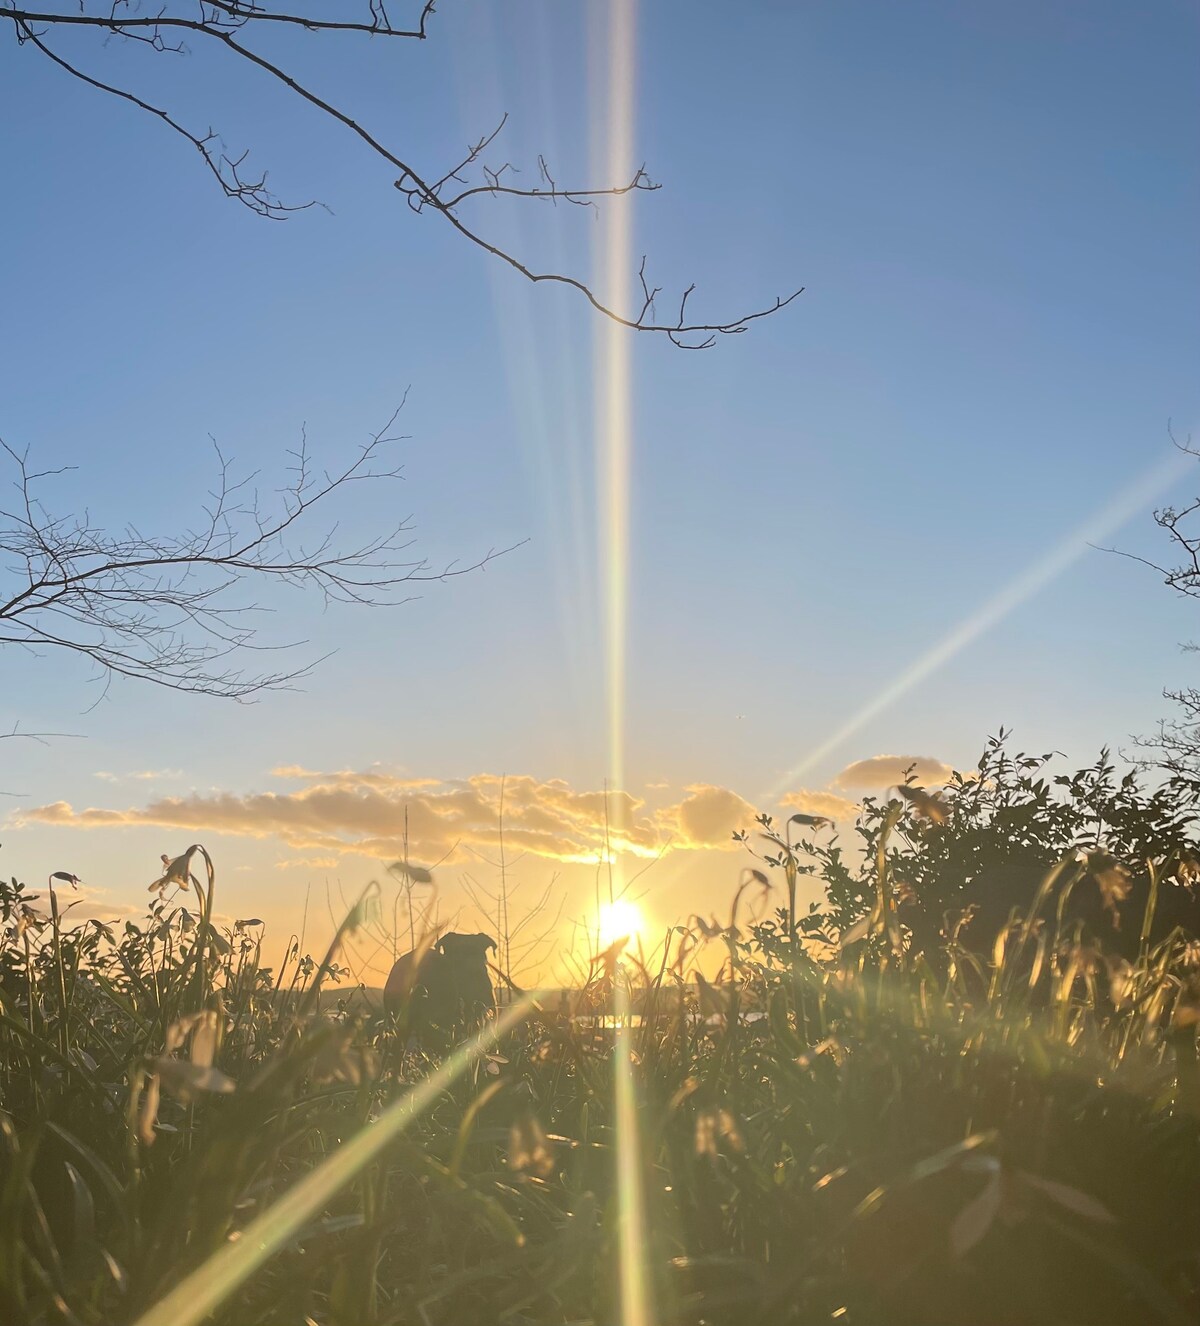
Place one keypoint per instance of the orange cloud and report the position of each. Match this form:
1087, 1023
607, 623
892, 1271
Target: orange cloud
828, 804
708, 817
882, 771
384, 816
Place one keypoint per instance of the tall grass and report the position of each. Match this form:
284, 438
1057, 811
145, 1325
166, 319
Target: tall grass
847, 1127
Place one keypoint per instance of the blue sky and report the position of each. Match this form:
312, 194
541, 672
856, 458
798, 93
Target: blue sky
992, 210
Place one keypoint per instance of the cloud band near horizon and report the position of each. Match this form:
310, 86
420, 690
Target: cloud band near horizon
386, 816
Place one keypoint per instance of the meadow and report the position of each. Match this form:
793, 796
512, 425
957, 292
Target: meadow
949, 1075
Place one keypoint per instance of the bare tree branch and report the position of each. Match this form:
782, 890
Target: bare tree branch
1175, 747
1184, 533
158, 607
228, 23
42, 738
216, 16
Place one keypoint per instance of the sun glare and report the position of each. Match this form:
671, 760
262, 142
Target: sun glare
619, 919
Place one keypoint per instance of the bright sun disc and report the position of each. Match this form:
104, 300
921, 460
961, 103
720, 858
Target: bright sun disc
620, 919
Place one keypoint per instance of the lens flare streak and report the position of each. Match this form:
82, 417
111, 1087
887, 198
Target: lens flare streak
632, 1246
614, 109
202, 1292
1023, 587
614, 446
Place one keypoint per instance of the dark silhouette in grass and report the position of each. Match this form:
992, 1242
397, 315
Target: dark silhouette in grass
446, 988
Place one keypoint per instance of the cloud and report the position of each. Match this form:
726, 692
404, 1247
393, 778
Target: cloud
384, 817
88, 902
708, 817
139, 775
828, 804
882, 771
350, 778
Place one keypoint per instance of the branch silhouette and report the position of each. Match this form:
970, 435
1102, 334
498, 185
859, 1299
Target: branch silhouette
158, 608
229, 24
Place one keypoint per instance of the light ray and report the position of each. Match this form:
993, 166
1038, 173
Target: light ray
614, 444
199, 1294
1034, 578
614, 422
632, 1246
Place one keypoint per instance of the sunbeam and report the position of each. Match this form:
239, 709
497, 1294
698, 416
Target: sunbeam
546, 354
613, 111
613, 124
1034, 578
635, 1299
199, 1294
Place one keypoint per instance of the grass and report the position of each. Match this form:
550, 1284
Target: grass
986, 1132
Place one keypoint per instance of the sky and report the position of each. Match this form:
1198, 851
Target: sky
763, 576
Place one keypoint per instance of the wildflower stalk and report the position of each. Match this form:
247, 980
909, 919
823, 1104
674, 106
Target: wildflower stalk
64, 1038
1151, 907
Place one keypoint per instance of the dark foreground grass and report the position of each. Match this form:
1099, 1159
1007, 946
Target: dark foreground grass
965, 1132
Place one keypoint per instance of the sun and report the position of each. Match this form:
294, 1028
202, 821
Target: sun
619, 919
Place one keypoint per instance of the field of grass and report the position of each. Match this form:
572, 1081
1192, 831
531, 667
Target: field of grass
931, 1124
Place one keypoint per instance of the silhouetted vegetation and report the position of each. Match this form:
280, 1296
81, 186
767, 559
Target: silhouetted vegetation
178, 609
1176, 745
226, 38
962, 1087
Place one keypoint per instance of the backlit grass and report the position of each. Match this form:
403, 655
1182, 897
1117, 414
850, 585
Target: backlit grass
920, 1101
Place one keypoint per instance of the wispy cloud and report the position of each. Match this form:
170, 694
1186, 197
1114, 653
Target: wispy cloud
351, 778
138, 775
